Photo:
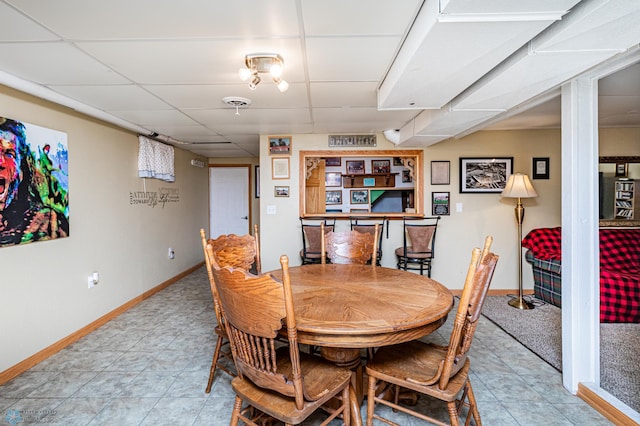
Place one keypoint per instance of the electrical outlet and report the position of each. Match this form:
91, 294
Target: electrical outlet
171, 254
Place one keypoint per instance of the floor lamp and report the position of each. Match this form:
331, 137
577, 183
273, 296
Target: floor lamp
519, 186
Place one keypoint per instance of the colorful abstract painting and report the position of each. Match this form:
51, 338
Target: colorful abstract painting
34, 183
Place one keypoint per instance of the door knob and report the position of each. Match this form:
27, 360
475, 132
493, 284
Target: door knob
245, 218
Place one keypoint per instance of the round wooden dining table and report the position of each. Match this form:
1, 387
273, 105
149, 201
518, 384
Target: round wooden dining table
344, 308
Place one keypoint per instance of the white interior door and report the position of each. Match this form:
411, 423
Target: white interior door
228, 200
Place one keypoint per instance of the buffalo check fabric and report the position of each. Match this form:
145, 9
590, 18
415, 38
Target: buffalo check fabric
619, 270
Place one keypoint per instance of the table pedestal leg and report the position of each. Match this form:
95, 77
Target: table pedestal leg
350, 358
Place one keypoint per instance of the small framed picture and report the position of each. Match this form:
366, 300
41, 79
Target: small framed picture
481, 175
333, 161
280, 168
540, 168
256, 184
397, 161
355, 167
368, 181
281, 191
279, 145
440, 173
359, 196
333, 179
622, 169
358, 210
333, 197
406, 176
381, 166
440, 203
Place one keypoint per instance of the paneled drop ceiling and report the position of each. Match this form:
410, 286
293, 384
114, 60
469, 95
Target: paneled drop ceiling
432, 69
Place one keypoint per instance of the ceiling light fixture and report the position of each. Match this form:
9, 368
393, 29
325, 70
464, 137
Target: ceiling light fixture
263, 63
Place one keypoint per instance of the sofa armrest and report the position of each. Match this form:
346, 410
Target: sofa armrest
552, 265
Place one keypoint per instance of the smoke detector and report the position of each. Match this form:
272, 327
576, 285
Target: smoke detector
237, 102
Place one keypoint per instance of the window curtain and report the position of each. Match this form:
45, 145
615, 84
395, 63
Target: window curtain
155, 160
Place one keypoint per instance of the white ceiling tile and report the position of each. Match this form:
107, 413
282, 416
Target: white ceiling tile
121, 97
352, 93
210, 96
148, 118
54, 63
379, 17
191, 61
213, 117
351, 58
16, 27
139, 19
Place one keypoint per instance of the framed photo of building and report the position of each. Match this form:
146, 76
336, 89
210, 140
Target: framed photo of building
484, 175
279, 145
281, 191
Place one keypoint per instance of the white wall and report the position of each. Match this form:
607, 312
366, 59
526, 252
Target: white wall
482, 214
43, 287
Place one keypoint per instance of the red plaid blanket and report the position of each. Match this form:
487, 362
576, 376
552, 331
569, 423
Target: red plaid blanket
619, 268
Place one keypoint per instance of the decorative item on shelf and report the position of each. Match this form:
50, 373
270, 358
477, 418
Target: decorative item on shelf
519, 186
263, 63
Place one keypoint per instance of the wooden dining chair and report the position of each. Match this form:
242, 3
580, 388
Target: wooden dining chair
311, 236
280, 382
236, 251
349, 246
418, 244
367, 224
441, 372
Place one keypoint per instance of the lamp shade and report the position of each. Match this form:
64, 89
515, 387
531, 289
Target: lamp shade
519, 186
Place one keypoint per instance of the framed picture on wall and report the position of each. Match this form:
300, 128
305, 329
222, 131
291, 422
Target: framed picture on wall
440, 173
485, 175
257, 181
360, 196
281, 191
440, 203
355, 167
332, 161
381, 166
280, 145
333, 197
540, 168
280, 168
333, 179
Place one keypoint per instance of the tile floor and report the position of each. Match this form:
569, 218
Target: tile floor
150, 366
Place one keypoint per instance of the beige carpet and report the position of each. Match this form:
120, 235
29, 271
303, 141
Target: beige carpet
540, 331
